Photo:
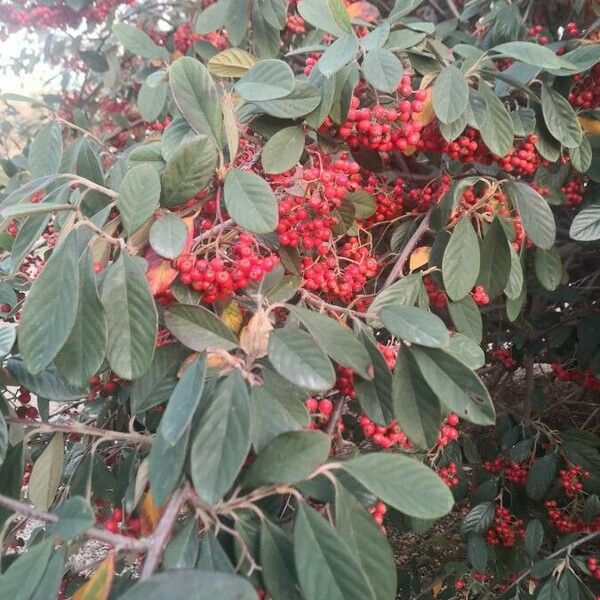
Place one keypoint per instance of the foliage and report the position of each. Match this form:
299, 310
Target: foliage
259, 262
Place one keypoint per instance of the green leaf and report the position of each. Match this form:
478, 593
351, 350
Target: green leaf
336, 340
460, 265
548, 590
287, 459
49, 585
403, 8
266, 80
75, 516
405, 291
192, 584
283, 150
325, 565
8, 334
495, 260
367, 542
24, 574
304, 98
168, 235
364, 204
548, 267
150, 153
415, 325
569, 586
222, 439
377, 37
523, 121
176, 133
466, 350
151, 101
530, 54
45, 152
195, 94
541, 475
250, 201
535, 212
157, 384
138, 196
329, 15
198, 328
457, 387
47, 473
47, 384
131, 316
138, 42
414, 405
494, 122
212, 556
586, 224
33, 208
560, 118
477, 552
182, 550
183, 402
51, 307
277, 554
338, 55
404, 483
188, 171
83, 352
403, 39
534, 537
581, 156
450, 94
514, 286
382, 69
297, 357
478, 519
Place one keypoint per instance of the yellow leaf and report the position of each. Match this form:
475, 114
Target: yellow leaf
427, 114
149, 514
437, 587
232, 62
232, 316
99, 584
419, 257
216, 360
590, 125
363, 10
254, 338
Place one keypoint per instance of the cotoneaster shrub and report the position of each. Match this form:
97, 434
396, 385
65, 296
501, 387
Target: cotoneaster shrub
263, 262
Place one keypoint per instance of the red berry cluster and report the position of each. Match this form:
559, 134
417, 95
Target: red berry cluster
572, 30
384, 128
23, 396
421, 199
121, 522
384, 437
535, 33
592, 565
104, 387
449, 475
378, 511
504, 355
585, 378
437, 297
217, 278
480, 296
566, 522
573, 191
296, 24
448, 431
571, 480
586, 91
506, 529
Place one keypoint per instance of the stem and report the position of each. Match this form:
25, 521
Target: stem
566, 549
114, 539
396, 271
335, 415
81, 429
158, 540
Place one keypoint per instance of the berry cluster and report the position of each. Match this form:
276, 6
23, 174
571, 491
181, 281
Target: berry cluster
506, 529
378, 511
437, 297
587, 379
217, 278
504, 355
25, 411
513, 472
449, 474
571, 480
480, 296
121, 522
535, 31
593, 567
586, 91
384, 437
573, 191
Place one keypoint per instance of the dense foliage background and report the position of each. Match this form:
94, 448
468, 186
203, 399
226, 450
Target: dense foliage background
262, 263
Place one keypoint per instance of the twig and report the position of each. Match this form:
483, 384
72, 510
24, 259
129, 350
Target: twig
81, 429
214, 230
158, 539
421, 230
114, 539
335, 415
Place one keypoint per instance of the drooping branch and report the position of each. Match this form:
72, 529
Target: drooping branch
120, 542
81, 429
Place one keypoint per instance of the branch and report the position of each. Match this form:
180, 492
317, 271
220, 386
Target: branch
114, 539
81, 429
421, 230
335, 415
214, 230
566, 549
158, 540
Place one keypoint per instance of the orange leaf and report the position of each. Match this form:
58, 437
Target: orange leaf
160, 273
590, 125
232, 316
419, 257
363, 10
427, 114
189, 221
99, 584
149, 514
